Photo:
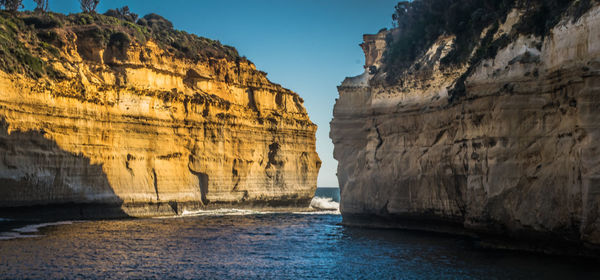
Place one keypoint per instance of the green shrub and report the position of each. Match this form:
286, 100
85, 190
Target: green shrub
49, 36
119, 40
50, 49
43, 21
84, 19
541, 16
421, 22
32, 65
26, 37
156, 22
122, 14
580, 8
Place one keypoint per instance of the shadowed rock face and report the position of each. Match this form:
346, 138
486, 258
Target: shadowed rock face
36, 170
136, 125
518, 155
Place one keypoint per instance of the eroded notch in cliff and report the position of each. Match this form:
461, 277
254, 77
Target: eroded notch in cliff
279, 101
251, 100
273, 159
235, 175
202, 181
192, 77
379, 141
128, 163
155, 182
438, 137
298, 101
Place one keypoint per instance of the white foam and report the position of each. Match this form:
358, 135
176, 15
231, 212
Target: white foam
24, 232
14, 235
324, 203
5, 220
36, 227
318, 206
326, 212
222, 212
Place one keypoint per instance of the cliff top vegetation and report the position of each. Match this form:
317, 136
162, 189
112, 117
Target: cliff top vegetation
27, 36
421, 22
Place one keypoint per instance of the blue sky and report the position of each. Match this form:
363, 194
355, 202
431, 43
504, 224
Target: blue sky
308, 46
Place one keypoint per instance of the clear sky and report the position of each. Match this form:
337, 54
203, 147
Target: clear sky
308, 46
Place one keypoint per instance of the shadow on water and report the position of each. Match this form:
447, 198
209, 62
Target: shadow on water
266, 246
41, 181
427, 255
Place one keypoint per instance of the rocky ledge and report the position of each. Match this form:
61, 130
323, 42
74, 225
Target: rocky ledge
514, 156
106, 117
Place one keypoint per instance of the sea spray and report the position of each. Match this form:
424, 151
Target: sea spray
324, 203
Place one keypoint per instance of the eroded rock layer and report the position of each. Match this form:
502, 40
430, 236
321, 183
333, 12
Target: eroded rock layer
518, 155
137, 125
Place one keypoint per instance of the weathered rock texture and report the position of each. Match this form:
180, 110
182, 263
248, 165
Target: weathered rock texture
518, 155
138, 126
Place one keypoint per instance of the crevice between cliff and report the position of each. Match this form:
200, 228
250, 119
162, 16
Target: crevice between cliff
202, 181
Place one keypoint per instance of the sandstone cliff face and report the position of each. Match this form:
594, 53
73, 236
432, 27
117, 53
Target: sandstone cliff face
139, 126
518, 155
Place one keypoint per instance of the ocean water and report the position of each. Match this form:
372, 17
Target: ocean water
332, 193
244, 244
326, 199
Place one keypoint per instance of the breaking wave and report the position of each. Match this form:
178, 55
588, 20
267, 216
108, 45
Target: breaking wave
221, 212
324, 203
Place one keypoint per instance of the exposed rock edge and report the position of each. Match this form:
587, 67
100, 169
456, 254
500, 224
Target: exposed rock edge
517, 158
135, 130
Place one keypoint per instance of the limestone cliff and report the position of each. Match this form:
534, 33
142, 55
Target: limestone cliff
97, 110
515, 154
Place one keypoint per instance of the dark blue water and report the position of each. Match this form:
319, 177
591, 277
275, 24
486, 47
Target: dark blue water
253, 245
333, 193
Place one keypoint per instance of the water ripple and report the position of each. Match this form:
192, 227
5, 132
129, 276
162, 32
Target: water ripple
263, 246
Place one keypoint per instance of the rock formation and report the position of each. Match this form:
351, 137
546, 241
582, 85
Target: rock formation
91, 114
516, 155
